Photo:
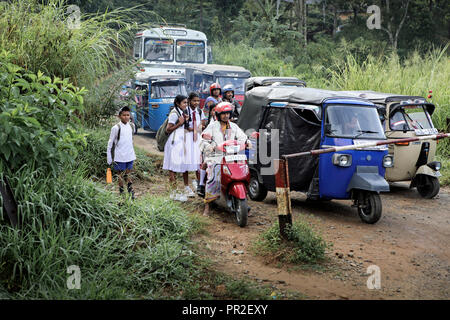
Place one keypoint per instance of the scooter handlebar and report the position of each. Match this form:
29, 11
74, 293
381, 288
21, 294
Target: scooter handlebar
223, 145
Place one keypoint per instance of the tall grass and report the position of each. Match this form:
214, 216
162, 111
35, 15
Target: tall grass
131, 251
40, 38
416, 75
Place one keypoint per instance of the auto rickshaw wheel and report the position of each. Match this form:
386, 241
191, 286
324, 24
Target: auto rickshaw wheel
241, 207
369, 207
427, 186
256, 190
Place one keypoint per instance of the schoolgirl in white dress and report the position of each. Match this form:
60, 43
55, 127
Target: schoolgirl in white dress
193, 136
176, 154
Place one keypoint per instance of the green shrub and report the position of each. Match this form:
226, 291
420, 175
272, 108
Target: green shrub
37, 117
303, 245
445, 171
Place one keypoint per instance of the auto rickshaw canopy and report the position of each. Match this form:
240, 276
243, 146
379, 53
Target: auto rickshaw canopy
253, 82
382, 99
260, 97
221, 70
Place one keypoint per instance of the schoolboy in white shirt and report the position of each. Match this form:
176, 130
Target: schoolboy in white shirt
120, 150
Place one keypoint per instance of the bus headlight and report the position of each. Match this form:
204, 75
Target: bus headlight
388, 161
342, 160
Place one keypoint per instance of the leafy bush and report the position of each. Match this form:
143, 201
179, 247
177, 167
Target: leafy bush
123, 252
37, 117
302, 246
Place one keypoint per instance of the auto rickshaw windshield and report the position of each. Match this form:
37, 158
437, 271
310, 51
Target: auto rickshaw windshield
348, 121
410, 118
237, 83
167, 89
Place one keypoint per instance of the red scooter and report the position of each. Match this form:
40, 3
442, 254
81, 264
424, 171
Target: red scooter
235, 178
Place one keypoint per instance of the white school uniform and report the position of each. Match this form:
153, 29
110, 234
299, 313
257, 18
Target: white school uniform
124, 150
193, 156
175, 151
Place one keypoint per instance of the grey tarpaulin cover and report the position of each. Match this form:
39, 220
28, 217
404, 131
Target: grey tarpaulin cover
297, 133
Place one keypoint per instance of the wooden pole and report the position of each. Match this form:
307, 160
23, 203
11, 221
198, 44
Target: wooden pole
283, 196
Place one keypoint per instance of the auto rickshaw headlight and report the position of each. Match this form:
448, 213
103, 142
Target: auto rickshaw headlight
342, 160
388, 161
435, 165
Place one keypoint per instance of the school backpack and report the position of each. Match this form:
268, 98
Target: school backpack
162, 135
116, 141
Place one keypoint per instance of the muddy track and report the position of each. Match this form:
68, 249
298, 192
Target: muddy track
409, 244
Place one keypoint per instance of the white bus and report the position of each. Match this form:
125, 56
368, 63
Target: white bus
167, 49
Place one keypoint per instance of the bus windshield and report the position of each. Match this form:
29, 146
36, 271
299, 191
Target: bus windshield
349, 121
237, 83
158, 49
190, 51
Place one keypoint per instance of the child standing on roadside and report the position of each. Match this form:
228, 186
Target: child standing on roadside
120, 151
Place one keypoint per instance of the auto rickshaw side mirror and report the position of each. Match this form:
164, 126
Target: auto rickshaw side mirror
405, 128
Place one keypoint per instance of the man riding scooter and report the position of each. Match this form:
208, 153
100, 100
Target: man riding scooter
213, 139
228, 96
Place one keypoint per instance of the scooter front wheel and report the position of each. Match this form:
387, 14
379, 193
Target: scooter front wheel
370, 209
241, 207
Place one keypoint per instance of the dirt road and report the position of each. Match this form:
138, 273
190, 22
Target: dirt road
410, 245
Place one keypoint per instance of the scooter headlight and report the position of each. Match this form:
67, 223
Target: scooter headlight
435, 165
232, 149
388, 161
342, 160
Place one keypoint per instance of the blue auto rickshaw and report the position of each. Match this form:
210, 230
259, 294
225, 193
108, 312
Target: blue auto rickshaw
153, 106
295, 119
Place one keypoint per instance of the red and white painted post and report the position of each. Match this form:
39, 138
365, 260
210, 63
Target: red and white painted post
283, 195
